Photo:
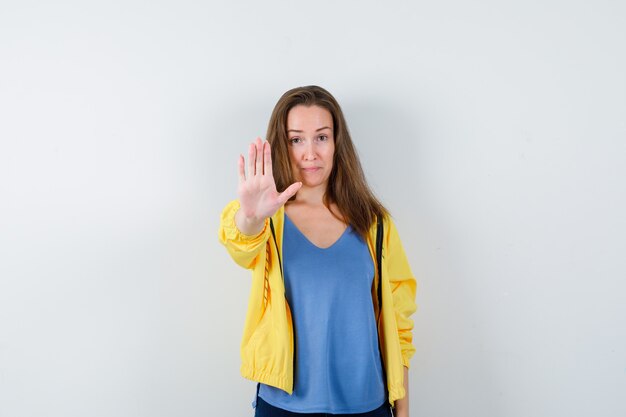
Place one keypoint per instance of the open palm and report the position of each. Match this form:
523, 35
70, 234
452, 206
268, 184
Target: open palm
257, 192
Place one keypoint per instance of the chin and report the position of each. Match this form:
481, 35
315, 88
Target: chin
313, 184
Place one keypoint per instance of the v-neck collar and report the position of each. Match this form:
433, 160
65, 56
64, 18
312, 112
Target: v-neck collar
287, 219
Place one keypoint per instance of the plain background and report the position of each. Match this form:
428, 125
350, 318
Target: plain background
495, 132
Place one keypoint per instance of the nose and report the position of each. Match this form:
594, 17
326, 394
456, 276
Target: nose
309, 151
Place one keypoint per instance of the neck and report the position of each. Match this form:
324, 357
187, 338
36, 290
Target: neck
313, 196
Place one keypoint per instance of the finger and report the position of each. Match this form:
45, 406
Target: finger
267, 159
289, 192
259, 157
251, 158
242, 172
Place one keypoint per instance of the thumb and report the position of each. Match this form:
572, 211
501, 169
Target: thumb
289, 192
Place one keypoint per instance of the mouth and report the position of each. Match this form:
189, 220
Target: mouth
312, 169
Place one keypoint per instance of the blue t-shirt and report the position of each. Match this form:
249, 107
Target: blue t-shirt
338, 368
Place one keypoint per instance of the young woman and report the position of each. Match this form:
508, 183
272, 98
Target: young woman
320, 338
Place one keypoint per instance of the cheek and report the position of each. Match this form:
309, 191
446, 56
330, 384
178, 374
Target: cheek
330, 153
292, 157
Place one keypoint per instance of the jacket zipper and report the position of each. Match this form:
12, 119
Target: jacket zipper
293, 336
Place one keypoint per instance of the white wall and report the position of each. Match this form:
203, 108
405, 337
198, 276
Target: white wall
494, 131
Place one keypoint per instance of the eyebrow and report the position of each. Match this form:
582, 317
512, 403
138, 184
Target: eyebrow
300, 131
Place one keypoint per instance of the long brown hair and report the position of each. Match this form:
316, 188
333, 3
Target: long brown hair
347, 187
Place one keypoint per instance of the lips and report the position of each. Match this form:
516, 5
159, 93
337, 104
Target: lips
311, 169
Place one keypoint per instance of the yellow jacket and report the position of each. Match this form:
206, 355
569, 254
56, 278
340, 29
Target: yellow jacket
267, 346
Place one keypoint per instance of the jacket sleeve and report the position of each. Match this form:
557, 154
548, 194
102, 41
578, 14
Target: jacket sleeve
403, 289
244, 249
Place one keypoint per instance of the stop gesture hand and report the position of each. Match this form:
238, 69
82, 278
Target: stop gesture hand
257, 192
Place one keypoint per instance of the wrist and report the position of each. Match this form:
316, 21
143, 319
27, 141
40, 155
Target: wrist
250, 226
400, 412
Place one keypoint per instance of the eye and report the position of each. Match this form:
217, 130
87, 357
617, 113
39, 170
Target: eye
293, 141
323, 138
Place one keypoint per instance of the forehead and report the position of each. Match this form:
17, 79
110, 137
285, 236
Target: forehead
304, 118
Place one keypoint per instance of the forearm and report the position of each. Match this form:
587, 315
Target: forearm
402, 405
243, 248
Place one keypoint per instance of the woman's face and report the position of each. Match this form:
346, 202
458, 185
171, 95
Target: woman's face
311, 144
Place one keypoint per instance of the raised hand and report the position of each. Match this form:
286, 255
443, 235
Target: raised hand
257, 193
